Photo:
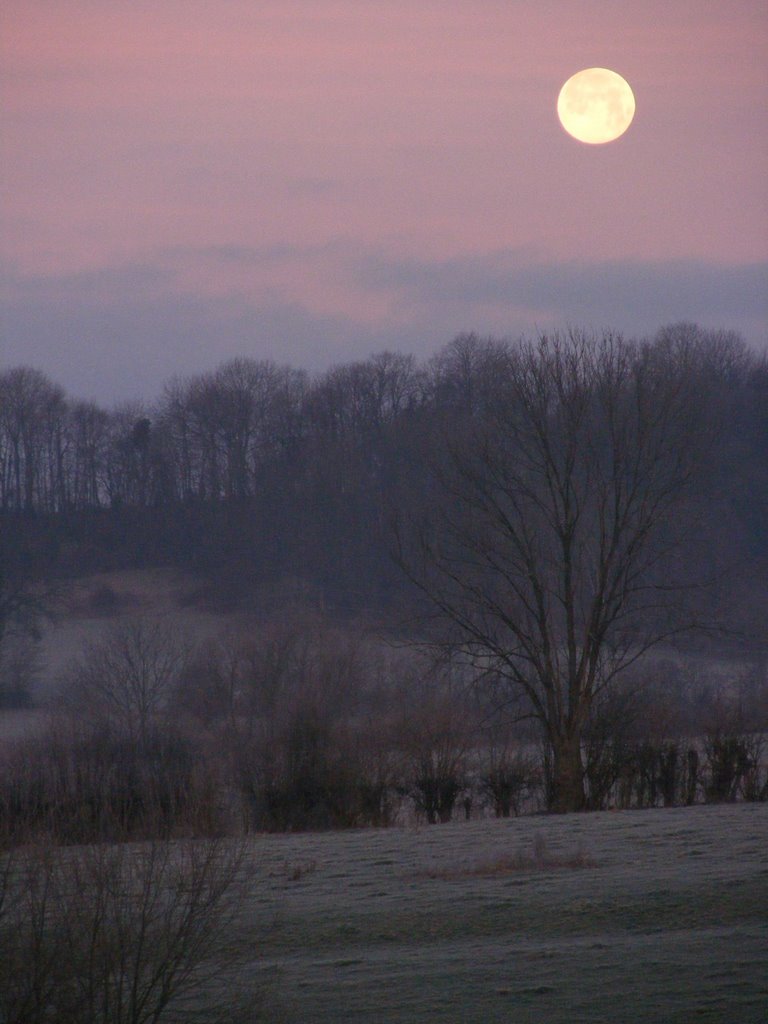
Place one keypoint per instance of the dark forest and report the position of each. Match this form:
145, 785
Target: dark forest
256, 475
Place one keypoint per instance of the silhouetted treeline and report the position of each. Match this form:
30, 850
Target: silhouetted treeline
254, 473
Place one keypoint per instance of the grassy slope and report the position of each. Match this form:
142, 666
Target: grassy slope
670, 925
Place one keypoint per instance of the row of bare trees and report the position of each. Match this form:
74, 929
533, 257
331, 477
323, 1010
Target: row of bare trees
260, 471
253, 474
208, 438
211, 437
309, 726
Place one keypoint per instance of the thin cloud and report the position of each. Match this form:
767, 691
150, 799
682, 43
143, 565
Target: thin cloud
121, 331
612, 291
112, 348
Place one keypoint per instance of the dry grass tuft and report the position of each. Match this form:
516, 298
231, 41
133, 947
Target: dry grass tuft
295, 872
538, 860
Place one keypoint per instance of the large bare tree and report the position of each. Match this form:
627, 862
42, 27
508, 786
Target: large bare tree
543, 547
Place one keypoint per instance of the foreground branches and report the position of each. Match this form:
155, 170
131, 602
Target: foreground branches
112, 934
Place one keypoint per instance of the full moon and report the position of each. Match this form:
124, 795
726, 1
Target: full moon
596, 105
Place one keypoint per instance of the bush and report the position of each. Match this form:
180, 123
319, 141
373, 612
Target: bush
96, 784
112, 935
732, 766
507, 781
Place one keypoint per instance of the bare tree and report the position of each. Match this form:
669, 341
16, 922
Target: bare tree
129, 676
436, 735
508, 774
543, 545
32, 411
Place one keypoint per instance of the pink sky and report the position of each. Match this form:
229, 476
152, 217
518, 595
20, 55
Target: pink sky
188, 180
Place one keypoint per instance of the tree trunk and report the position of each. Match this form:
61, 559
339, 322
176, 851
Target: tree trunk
567, 778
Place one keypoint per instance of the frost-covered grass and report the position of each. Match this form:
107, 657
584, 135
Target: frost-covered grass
637, 916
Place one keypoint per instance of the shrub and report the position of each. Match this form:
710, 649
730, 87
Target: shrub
507, 781
96, 784
112, 935
732, 765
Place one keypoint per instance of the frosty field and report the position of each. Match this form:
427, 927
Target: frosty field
639, 916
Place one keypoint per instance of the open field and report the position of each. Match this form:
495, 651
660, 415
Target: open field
665, 919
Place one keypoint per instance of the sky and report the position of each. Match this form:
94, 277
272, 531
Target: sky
312, 181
